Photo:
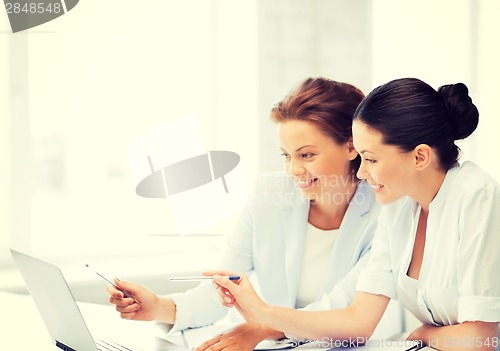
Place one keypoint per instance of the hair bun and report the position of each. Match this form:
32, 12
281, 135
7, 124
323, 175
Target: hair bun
464, 115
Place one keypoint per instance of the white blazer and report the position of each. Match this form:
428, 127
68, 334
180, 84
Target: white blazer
268, 242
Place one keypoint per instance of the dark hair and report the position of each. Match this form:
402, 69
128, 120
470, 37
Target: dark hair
327, 104
408, 112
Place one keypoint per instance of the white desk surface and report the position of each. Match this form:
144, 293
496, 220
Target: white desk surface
22, 328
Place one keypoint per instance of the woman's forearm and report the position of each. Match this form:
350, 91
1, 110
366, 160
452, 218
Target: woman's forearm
335, 324
355, 322
165, 310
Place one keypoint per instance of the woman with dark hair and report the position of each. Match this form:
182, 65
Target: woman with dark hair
436, 245
305, 234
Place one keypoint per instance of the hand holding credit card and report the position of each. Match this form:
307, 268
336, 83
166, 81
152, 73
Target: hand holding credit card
125, 292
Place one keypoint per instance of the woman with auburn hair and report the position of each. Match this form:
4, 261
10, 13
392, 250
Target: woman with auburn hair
436, 245
305, 233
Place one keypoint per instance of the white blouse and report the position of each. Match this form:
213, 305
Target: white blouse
318, 247
460, 274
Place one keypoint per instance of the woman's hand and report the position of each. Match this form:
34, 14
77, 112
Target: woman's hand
465, 336
238, 293
142, 307
244, 337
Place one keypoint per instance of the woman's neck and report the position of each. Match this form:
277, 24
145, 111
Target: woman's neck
329, 212
427, 186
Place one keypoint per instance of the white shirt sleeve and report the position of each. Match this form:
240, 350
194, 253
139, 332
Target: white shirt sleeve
201, 305
478, 258
197, 307
377, 277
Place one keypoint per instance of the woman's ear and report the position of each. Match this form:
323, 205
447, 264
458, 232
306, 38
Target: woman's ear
351, 150
423, 156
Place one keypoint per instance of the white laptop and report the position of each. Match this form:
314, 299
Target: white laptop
60, 313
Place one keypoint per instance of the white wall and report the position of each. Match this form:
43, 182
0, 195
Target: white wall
300, 39
5, 154
487, 77
443, 42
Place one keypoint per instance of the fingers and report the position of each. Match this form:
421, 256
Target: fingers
114, 292
227, 298
234, 340
129, 315
127, 286
225, 294
225, 286
122, 286
121, 302
127, 307
208, 343
118, 297
220, 272
134, 307
127, 289
230, 285
123, 297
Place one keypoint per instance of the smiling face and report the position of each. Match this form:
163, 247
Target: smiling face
317, 164
386, 168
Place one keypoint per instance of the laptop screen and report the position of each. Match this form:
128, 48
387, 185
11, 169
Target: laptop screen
55, 302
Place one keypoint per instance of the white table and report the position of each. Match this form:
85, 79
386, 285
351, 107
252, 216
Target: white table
22, 328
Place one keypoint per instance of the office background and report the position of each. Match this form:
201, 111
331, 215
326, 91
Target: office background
75, 91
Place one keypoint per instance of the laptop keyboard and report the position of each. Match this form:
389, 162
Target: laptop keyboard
108, 345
